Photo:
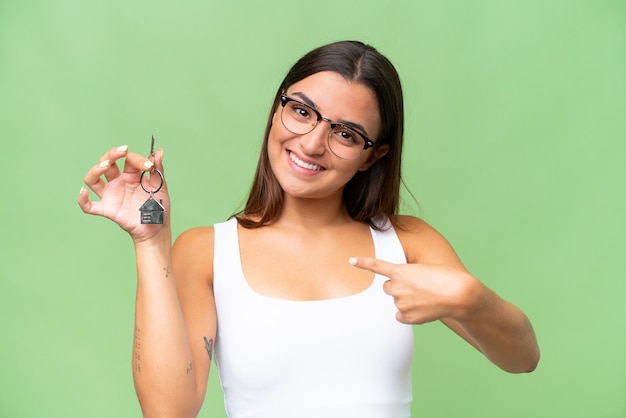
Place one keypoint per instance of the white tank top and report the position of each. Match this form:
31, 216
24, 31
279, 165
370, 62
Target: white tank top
335, 358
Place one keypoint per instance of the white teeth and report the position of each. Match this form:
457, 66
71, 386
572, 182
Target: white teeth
303, 164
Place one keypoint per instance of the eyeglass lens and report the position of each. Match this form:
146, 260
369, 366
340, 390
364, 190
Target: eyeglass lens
301, 119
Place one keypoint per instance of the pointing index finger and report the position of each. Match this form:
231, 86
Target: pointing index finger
373, 264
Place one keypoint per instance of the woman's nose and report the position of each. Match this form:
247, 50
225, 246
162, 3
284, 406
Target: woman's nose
314, 143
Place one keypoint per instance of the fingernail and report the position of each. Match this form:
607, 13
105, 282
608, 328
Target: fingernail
123, 148
162, 152
104, 163
148, 164
352, 260
82, 189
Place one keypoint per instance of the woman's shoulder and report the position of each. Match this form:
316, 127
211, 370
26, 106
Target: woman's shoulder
423, 243
201, 236
414, 226
192, 253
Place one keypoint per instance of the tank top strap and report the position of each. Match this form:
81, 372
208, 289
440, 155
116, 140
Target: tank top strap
225, 253
386, 242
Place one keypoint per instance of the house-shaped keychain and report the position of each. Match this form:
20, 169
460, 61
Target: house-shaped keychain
152, 211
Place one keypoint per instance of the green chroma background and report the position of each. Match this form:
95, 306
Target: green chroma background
515, 149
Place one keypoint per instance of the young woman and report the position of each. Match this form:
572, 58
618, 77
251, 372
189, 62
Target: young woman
308, 295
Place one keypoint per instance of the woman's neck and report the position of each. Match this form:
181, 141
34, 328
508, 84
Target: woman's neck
313, 213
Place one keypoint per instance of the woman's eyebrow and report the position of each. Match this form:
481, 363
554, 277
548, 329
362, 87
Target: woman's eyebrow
307, 101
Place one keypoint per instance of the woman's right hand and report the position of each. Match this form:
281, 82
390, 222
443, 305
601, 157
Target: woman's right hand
121, 194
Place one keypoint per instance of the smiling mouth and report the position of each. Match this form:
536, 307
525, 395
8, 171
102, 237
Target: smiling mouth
297, 161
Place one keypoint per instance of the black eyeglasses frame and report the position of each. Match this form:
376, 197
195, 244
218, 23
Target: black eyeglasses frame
284, 99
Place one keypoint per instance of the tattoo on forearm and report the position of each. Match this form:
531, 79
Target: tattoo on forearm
168, 271
208, 345
190, 368
137, 351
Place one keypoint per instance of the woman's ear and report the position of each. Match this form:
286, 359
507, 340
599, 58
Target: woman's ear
379, 152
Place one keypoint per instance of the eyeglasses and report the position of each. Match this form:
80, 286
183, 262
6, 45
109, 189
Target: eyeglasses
343, 141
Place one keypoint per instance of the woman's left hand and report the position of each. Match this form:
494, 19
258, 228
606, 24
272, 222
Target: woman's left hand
425, 293
430, 292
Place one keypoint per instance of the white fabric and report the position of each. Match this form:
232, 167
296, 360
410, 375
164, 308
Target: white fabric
345, 357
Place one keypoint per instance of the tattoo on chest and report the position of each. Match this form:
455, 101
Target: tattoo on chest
208, 345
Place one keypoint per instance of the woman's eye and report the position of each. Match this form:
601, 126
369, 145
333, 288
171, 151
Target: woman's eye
346, 136
302, 112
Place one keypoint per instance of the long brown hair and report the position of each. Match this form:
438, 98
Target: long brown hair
371, 192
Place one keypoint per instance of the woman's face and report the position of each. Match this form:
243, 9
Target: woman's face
303, 163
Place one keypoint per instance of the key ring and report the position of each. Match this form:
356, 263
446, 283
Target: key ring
152, 211
143, 187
